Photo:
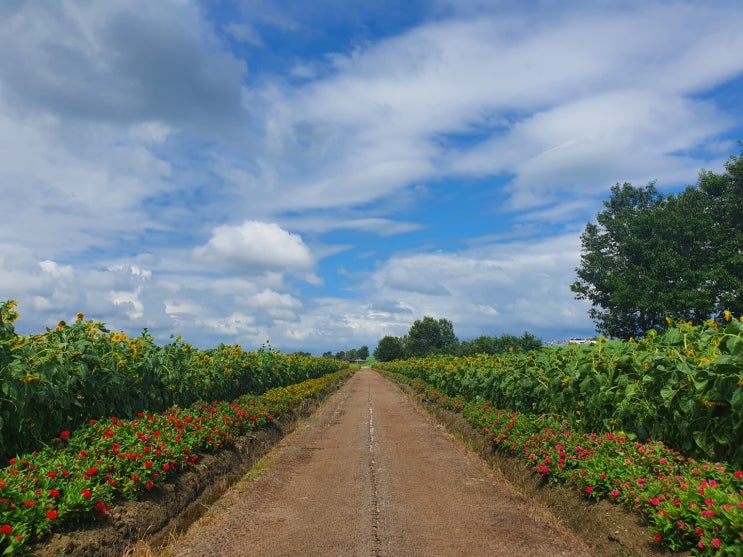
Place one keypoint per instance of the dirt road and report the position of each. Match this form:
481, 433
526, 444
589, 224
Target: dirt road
371, 474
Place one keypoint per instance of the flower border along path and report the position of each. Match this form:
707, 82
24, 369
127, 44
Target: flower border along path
94, 470
688, 504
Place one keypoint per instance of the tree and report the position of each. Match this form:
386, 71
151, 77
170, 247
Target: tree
429, 336
389, 349
497, 345
652, 256
615, 257
725, 192
362, 353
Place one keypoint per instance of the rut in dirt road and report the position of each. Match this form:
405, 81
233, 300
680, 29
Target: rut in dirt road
371, 474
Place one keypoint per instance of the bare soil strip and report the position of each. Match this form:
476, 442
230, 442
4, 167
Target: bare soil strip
371, 474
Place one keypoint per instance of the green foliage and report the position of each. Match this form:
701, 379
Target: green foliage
651, 256
361, 353
60, 379
84, 472
498, 345
688, 504
684, 386
429, 336
389, 348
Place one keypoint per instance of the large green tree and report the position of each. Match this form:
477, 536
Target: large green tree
389, 349
428, 336
651, 256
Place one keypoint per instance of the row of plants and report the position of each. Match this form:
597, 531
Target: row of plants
683, 385
688, 504
86, 471
60, 379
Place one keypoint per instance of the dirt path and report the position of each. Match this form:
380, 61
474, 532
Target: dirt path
370, 474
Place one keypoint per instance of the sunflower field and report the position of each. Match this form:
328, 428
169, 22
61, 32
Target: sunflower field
683, 385
81, 371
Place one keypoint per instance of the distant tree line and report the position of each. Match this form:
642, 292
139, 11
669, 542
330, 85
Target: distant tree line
431, 336
361, 353
650, 256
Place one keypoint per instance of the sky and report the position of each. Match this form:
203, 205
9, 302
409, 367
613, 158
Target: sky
318, 175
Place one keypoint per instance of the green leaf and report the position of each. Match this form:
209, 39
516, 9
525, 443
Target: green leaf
734, 345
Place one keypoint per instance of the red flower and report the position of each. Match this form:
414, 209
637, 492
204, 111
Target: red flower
53, 493
589, 490
716, 542
86, 493
64, 435
658, 538
738, 474
92, 471
101, 509
51, 515
148, 464
6, 529
149, 485
30, 503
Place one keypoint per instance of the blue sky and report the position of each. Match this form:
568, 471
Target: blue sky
323, 174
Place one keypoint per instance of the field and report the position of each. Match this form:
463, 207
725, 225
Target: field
654, 425
90, 418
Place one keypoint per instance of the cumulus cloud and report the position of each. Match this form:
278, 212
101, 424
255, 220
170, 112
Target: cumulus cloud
496, 287
254, 247
130, 300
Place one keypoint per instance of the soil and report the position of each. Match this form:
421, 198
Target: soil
370, 473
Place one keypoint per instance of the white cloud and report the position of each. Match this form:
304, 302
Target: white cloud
621, 110
129, 300
498, 287
267, 298
129, 130
255, 246
55, 270
244, 33
150, 132
591, 143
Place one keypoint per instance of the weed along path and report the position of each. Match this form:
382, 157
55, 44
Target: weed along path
371, 474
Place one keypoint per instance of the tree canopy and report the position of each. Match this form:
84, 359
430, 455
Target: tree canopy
498, 345
429, 335
651, 256
389, 349
349, 355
